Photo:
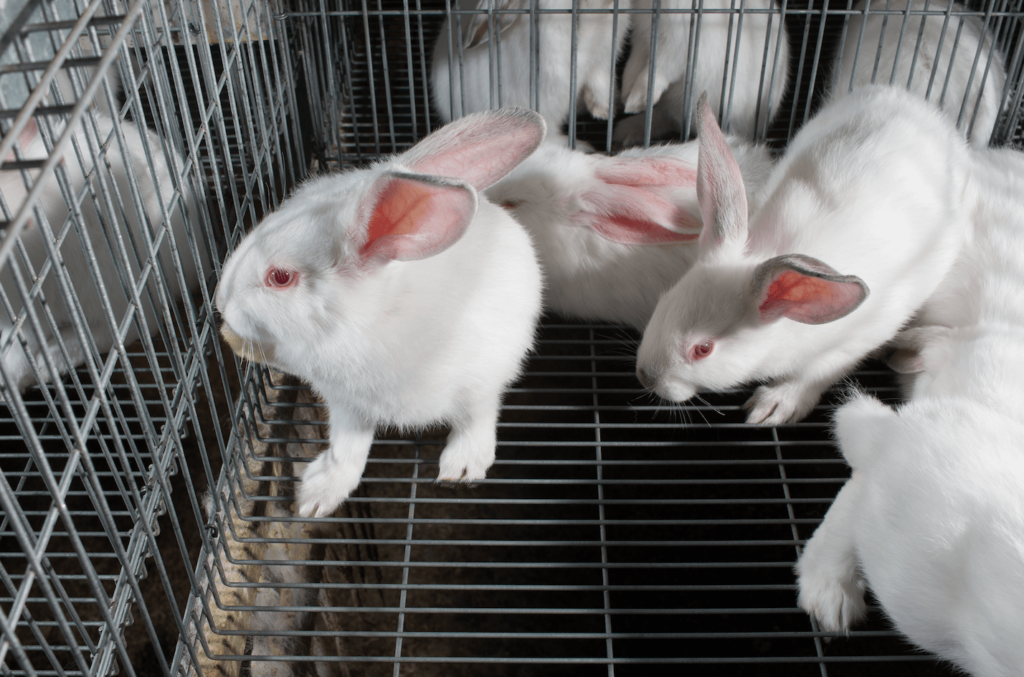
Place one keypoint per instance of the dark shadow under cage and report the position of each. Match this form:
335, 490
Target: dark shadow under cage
147, 493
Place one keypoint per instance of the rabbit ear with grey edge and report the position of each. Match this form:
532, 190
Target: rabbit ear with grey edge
480, 148
409, 216
804, 289
905, 352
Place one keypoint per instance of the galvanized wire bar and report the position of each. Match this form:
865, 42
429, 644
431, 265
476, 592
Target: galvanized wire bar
405, 570
601, 508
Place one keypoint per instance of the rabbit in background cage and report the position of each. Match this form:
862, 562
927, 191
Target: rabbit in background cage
599, 41
942, 52
755, 81
614, 233
872, 194
142, 157
401, 297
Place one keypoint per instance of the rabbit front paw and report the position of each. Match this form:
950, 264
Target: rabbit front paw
470, 451
325, 485
459, 463
596, 101
785, 402
636, 102
836, 599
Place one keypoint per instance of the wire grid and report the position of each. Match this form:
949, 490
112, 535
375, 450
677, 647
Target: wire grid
89, 458
230, 90
613, 534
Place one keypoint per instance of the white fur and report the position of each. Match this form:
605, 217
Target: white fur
595, 56
875, 186
749, 102
404, 343
934, 513
929, 72
589, 276
54, 206
982, 287
933, 519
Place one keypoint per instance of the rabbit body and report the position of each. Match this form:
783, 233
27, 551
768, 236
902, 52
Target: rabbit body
872, 195
595, 64
935, 61
980, 294
933, 520
156, 189
577, 207
751, 98
407, 302
934, 512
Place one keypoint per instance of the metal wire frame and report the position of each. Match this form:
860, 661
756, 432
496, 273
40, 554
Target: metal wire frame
381, 60
613, 533
366, 72
88, 461
106, 439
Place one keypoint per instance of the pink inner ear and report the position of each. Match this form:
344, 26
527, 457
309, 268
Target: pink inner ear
633, 215
414, 219
720, 188
625, 230
647, 172
809, 299
480, 148
25, 137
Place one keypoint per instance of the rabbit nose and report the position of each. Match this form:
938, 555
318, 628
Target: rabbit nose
645, 377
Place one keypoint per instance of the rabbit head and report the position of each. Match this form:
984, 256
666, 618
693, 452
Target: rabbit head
319, 270
719, 324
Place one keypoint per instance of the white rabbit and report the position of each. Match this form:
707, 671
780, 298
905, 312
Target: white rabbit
144, 158
933, 520
397, 295
751, 96
875, 185
596, 53
932, 64
615, 233
934, 513
982, 290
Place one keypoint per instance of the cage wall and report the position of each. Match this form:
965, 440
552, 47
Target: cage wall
136, 145
147, 474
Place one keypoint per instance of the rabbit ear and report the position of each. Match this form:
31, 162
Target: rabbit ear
480, 148
635, 201
905, 352
25, 137
805, 289
647, 171
409, 217
720, 189
476, 28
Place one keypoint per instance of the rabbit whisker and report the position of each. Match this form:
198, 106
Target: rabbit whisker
709, 405
701, 413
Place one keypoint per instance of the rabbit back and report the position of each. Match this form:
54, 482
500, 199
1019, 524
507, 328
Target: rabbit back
156, 190
497, 74
924, 68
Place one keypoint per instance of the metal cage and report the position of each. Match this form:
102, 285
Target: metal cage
147, 475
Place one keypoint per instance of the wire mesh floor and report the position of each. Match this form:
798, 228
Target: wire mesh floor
611, 534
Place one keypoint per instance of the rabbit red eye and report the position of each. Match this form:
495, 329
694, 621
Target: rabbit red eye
701, 350
510, 204
281, 277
